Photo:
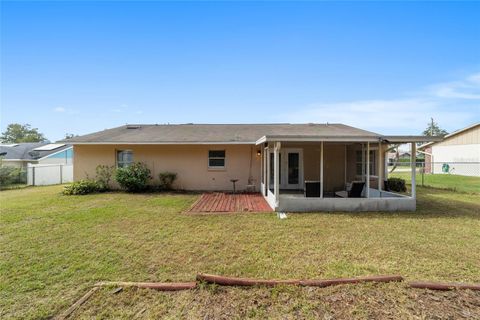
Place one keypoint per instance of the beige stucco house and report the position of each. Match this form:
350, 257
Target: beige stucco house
458, 153
297, 167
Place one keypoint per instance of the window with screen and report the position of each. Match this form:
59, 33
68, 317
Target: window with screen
124, 158
373, 162
216, 159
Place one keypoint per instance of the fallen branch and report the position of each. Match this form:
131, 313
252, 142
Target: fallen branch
334, 282
443, 285
233, 281
161, 286
77, 304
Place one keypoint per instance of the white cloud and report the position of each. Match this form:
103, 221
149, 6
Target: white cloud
468, 88
396, 116
59, 109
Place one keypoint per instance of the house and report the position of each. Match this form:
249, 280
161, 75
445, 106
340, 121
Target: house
21, 154
297, 167
402, 157
458, 153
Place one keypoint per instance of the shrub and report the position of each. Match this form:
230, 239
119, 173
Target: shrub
133, 178
82, 187
5, 176
397, 184
104, 176
167, 179
11, 175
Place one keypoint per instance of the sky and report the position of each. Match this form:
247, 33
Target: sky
81, 67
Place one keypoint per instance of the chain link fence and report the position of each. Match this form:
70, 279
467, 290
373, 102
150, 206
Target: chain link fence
458, 176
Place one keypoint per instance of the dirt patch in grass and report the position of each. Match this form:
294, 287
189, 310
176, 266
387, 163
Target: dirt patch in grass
369, 301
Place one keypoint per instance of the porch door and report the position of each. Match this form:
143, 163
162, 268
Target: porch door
291, 168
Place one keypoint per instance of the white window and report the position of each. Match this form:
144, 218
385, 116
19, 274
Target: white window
124, 158
359, 163
216, 159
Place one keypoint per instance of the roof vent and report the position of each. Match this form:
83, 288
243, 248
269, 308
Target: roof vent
130, 126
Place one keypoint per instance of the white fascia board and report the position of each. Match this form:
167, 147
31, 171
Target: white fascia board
319, 139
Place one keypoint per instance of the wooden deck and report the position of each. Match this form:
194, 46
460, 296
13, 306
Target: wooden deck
227, 202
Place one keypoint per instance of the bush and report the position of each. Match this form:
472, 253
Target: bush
167, 179
133, 178
82, 187
104, 176
397, 184
11, 175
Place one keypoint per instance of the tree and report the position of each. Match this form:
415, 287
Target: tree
434, 130
70, 135
17, 133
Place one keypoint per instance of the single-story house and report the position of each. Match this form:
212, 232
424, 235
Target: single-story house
21, 154
458, 153
297, 167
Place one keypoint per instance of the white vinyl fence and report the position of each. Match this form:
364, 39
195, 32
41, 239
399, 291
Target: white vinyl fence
46, 174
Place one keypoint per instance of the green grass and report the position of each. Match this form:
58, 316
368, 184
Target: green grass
443, 181
54, 247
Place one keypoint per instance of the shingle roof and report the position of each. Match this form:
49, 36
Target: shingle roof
215, 133
25, 151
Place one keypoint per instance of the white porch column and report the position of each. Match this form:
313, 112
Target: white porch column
367, 183
379, 166
264, 171
267, 168
413, 160
276, 173
321, 169
363, 162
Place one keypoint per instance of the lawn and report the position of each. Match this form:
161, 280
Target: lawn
54, 247
443, 181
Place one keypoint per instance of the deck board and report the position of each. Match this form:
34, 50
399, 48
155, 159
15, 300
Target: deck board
227, 202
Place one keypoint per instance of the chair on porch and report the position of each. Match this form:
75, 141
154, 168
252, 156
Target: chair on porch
355, 190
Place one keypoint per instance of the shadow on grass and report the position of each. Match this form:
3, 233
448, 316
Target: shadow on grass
431, 204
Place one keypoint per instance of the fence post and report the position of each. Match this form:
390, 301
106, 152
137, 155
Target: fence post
61, 173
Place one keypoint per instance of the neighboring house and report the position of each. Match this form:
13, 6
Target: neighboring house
402, 156
21, 154
458, 153
297, 167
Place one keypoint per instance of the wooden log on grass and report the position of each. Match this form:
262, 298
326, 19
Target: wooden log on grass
443, 285
234, 281
334, 282
76, 305
161, 286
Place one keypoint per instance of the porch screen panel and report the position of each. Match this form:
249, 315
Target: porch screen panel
272, 169
293, 167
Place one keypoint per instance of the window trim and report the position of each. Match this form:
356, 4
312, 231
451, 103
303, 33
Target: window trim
117, 152
374, 163
224, 160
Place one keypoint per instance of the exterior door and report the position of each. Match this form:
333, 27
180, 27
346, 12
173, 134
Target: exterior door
291, 168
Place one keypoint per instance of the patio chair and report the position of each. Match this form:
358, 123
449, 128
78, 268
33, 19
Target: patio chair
354, 192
